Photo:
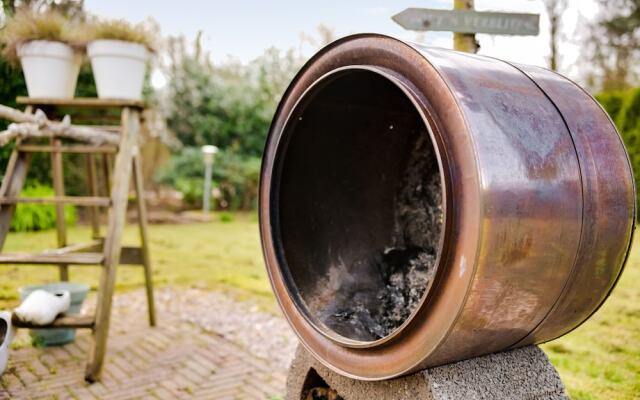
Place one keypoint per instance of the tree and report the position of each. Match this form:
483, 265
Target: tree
229, 105
613, 45
555, 9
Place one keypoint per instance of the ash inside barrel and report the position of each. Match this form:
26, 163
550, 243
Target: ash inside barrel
370, 314
376, 303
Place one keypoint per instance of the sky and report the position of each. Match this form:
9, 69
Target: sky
243, 29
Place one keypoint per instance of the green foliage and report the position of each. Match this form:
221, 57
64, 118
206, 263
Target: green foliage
13, 85
86, 86
226, 217
611, 45
624, 109
39, 217
228, 105
235, 178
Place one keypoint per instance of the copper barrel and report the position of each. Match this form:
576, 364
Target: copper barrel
494, 200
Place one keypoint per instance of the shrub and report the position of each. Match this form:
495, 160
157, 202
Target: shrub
235, 178
624, 109
229, 104
226, 217
38, 217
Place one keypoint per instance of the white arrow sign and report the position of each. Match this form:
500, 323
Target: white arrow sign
425, 19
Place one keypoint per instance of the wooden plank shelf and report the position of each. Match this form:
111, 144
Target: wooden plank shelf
77, 254
75, 200
64, 321
82, 102
94, 246
52, 258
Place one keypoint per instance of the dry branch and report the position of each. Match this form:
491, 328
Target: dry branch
38, 125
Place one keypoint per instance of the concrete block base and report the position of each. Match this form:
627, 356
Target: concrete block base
524, 373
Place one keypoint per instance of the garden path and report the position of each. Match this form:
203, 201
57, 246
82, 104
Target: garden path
206, 346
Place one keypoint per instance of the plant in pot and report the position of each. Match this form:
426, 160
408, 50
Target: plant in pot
119, 52
40, 42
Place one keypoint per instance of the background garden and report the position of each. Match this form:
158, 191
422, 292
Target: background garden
230, 104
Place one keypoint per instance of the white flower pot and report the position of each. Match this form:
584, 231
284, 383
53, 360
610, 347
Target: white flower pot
6, 335
50, 68
118, 68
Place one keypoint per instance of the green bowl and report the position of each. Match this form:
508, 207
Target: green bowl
58, 336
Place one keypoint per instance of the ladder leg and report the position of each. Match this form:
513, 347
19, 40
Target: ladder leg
113, 239
106, 171
93, 189
144, 238
58, 188
12, 184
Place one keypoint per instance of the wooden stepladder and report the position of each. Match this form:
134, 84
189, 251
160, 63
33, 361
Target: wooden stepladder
120, 164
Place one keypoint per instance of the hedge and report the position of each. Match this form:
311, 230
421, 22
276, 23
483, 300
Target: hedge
624, 109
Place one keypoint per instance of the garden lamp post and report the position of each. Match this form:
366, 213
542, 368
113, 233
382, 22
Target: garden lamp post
209, 151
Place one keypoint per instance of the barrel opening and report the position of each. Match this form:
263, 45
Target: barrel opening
357, 206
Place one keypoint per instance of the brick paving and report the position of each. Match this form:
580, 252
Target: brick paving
175, 360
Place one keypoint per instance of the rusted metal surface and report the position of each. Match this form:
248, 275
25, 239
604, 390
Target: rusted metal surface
537, 196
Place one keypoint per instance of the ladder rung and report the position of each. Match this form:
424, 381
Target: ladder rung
110, 128
93, 246
34, 148
76, 200
50, 258
64, 321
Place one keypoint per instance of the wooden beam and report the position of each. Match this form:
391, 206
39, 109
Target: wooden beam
57, 173
76, 200
83, 102
12, 184
113, 240
34, 148
52, 259
65, 321
464, 41
131, 256
95, 246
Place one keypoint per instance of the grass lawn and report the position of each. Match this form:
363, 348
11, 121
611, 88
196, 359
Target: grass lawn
599, 360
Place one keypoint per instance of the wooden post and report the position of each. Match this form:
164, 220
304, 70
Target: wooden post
144, 237
106, 172
464, 41
58, 188
92, 183
113, 241
12, 184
